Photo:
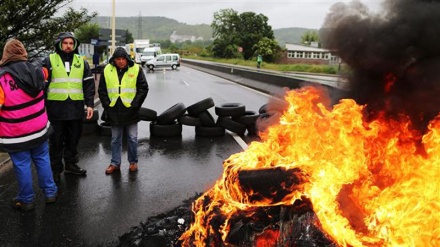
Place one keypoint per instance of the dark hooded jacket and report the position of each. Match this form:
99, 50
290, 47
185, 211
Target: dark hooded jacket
119, 114
27, 76
70, 109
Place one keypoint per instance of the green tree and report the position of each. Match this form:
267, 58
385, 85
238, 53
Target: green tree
309, 37
268, 48
232, 30
128, 37
35, 23
87, 32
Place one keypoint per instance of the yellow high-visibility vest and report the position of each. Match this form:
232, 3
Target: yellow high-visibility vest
62, 85
126, 90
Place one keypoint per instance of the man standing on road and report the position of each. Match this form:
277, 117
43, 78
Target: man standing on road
71, 86
259, 60
122, 91
24, 126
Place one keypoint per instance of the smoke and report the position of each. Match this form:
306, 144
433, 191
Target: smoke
394, 55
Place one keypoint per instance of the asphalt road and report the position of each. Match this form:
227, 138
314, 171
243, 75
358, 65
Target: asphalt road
95, 210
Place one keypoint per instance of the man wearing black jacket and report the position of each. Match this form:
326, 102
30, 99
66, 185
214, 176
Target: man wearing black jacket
71, 88
122, 91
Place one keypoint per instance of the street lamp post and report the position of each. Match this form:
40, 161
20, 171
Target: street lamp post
112, 48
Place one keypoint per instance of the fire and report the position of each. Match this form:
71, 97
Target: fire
370, 183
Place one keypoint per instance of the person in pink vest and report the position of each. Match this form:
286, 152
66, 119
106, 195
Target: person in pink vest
24, 125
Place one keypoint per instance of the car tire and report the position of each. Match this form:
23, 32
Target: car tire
206, 119
146, 114
171, 114
173, 67
197, 108
166, 130
249, 117
105, 129
231, 125
230, 110
189, 120
151, 67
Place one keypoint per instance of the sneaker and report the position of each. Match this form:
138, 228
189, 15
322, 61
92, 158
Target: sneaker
50, 200
111, 169
133, 167
74, 169
21, 205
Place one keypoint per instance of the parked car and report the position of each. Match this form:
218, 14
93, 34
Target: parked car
170, 60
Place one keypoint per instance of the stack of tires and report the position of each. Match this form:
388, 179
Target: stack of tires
230, 116
145, 114
198, 115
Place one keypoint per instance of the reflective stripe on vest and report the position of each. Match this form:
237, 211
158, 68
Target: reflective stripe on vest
126, 90
62, 85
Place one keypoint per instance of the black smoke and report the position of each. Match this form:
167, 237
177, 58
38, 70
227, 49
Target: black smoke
400, 44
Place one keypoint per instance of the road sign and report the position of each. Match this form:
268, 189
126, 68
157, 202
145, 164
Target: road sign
106, 34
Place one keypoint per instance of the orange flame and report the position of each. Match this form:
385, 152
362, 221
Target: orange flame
368, 182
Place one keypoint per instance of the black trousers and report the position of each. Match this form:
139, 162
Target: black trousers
63, 143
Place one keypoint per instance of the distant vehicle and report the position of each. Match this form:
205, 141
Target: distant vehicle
150, 53
138, 47
171, 60
130, 49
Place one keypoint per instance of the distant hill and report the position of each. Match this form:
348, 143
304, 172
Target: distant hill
161, 28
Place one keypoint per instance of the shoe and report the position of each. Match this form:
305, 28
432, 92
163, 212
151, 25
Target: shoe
133, 167
50, 200
111, 169
21, 205
74, 169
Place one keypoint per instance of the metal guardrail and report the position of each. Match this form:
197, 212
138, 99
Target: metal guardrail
269, 81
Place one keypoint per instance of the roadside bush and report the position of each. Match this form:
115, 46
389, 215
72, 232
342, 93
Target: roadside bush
305, 68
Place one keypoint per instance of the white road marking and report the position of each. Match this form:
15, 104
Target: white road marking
185, 83
238, 139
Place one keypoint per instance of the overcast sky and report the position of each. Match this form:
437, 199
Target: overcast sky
281, 13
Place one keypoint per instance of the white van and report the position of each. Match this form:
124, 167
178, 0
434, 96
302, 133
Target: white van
150, 53
170, 60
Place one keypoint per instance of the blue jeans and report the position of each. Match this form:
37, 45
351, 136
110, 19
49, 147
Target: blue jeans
131, 133
22, 162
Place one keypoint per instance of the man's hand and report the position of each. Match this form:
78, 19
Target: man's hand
89, 112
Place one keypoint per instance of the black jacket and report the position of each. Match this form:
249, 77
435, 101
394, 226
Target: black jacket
119, 114
70, 109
